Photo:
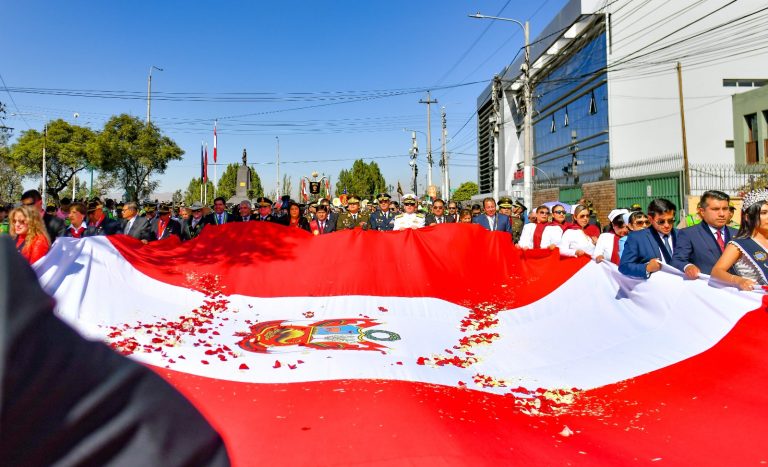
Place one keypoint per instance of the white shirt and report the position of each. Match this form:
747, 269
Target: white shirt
574, 240
408, 221
604, 246
550, 236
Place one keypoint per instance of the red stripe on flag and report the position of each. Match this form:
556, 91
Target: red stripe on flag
215, 142
461, 263
702, 411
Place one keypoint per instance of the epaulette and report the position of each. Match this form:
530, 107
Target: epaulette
420, 215
399, 215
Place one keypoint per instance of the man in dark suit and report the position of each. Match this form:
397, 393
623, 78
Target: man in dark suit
492, 220
196, 221
98, 222
219, 215
383, 217
163, 226
53, 225
438, 216
244, 211
134, 225
646, 249
321, 225
700, 246
265, 211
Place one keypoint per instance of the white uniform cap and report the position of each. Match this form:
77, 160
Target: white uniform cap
616, 213
410, 196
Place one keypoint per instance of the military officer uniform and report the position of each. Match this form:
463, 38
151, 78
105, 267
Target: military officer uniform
516, 220
409, 220
382, 220
347, 220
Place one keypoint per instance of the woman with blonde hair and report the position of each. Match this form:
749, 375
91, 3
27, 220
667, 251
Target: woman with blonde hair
29, 232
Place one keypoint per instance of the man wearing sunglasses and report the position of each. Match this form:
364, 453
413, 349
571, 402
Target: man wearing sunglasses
646, 249
409, 218
438, 216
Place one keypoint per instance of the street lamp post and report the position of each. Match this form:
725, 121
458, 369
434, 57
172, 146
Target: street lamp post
149, 90
528, 122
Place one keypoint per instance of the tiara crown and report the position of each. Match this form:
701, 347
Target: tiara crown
754, 197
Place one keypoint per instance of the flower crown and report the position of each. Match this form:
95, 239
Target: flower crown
754, 197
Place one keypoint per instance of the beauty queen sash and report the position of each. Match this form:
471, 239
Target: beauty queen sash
755, 254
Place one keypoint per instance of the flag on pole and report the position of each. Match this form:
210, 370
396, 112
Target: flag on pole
399, 189
202, 164
534, 359
214, 141
205, 165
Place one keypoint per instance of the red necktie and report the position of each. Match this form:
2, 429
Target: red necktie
615, 252
720, 241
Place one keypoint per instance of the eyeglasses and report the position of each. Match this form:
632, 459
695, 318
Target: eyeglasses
409, 204
21, 222
642, 223
439, 207
543, 212
452, 208
664, 221
558, 212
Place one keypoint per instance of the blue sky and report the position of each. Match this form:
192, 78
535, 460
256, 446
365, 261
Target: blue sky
360, 48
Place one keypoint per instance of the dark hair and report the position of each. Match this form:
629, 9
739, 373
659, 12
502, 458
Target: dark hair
321, 207
618, 222
633, 217
220, 198
292, 203
750, 220
79, 207
475, 206
465, 212
66, 200
661, 206
713, 194
33, 194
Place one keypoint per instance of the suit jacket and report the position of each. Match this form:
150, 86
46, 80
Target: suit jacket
328, 228
140, 228
107, 227
270, 218
641, 247
173, 228
697, 245
502, 222
213, 218
432, 219
193, 232
251, 218
54, 226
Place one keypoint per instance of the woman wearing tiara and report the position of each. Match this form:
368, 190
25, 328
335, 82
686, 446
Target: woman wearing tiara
747, 254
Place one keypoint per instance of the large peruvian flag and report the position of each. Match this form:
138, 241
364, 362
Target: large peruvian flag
444, 345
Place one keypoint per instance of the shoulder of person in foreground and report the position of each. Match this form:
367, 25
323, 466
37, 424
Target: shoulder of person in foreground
110, 409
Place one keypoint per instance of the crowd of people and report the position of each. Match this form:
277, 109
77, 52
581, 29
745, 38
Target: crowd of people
637, 242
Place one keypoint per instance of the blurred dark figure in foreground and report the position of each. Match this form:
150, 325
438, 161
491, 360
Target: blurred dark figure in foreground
69, 401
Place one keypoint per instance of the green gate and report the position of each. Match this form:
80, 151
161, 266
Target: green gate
570, 195
645, 189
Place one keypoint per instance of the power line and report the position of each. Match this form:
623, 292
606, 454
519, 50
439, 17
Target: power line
13, 101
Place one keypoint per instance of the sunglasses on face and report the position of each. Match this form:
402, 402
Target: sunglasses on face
439, 207
409, 204
543, 213
558, 212
664, 221
642, 223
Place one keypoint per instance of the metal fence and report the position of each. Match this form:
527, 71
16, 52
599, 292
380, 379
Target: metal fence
730, 178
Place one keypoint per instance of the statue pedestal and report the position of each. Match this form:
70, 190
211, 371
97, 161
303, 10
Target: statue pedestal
242, 185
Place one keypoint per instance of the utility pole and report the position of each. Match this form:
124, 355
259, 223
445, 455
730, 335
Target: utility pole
528, 160
277, 185
149, 90
414, 168
446, 188
429, 101
687, 173
495, 120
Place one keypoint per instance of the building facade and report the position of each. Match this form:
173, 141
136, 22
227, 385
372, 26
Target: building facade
607, 100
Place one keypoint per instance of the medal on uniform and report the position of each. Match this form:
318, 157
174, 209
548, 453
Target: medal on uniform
759, 256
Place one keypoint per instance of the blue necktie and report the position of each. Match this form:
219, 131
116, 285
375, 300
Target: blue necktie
668, 246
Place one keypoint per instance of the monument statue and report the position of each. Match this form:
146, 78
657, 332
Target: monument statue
243, 183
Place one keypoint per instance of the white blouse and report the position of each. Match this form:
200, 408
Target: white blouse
604, 246
550, 236
573, 240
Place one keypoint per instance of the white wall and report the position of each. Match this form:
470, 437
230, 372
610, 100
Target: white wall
644, 110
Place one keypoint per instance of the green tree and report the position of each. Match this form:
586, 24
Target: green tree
193, 192
133, 151
228, 183
81, 189
69, 150
465, 191
364, 179
10, 181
